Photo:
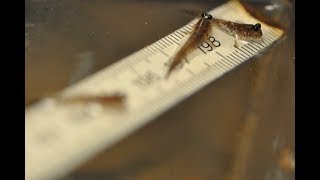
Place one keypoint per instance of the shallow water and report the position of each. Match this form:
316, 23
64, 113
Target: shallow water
232, 129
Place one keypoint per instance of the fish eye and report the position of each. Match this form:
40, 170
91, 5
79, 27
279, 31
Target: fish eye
207, 16
257, 26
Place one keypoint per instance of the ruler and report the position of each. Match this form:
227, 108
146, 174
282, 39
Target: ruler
60, 137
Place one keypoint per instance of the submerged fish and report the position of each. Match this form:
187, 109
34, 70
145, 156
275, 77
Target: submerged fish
203, 29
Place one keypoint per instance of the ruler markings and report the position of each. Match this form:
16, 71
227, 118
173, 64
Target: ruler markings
153, 49
220, 66
254, 51
189, 28
147, 52
161, 41
184, 31
233, 64
217, 67
266, 39
234, 59
245, 57
207, 64
159, 48
254, 47
223, 66
239, 57
227, 63
166, 39
173, 40
273, 32
258, 44
179, 32
244, 52
161, 44
270, 36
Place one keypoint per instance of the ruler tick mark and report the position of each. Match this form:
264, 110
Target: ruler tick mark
223, 64
218, 68
245, 57
161, 46
225, 58
272, 33
160, 50
166, 41
180, 34
248, 48
266, 39
233, 64
234, 59
244, 52
176, 38
173, 40
226, 63
254, 47
258, 44
148, 52
189, 28
207, 64
186, 30
270, 37
240, 58
220, 54
191, 25
151, 48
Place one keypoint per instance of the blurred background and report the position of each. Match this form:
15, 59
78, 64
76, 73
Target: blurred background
239, 127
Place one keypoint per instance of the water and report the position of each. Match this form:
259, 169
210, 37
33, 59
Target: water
232, 129
57, 32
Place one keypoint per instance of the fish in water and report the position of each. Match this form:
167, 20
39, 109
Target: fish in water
111, 100
246, 32
203, 29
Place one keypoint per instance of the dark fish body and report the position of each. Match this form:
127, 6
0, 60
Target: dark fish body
200, 32
244, 31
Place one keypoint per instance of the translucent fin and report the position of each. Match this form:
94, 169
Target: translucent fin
196, 52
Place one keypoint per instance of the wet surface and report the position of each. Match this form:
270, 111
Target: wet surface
235, 128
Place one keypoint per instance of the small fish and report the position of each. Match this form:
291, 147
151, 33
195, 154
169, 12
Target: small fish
203, 29
106, 100
247, 32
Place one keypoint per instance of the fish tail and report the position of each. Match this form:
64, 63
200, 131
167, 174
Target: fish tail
171, 68
175, 62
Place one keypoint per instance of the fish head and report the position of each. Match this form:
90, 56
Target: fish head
206, 16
